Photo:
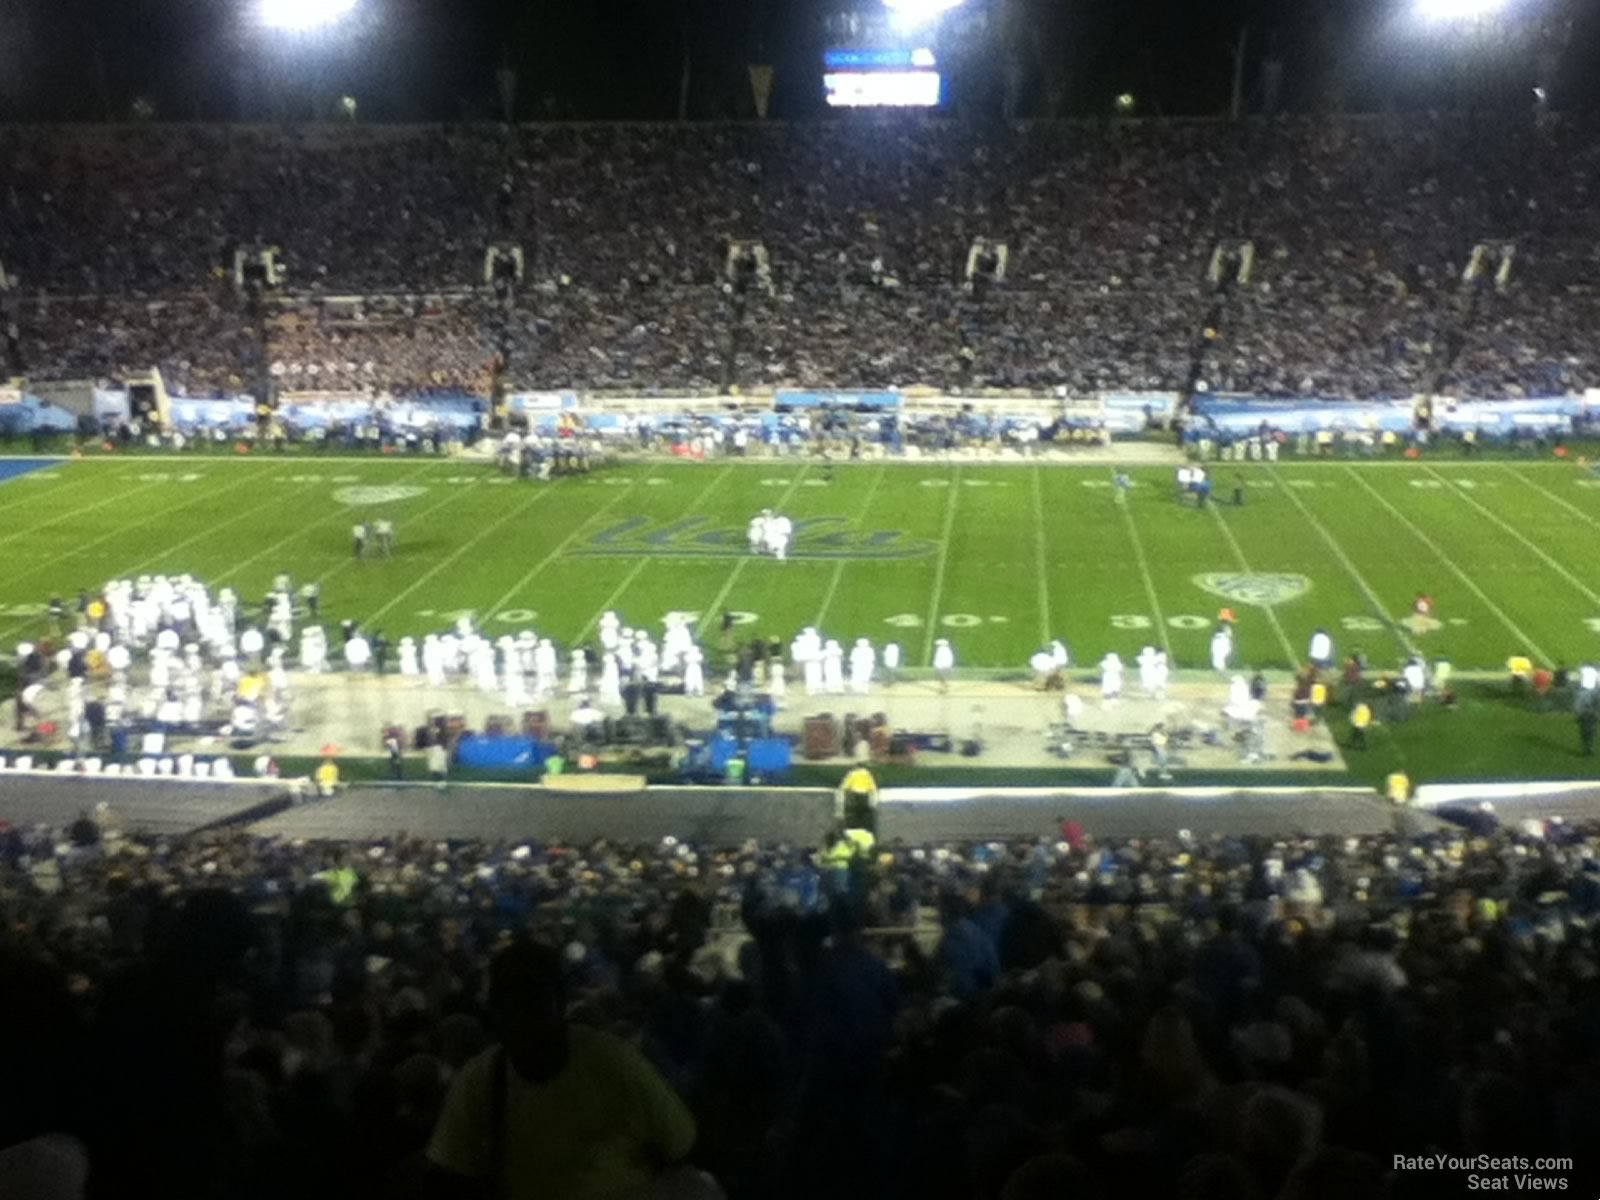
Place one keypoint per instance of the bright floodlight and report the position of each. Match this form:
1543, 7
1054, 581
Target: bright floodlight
908, 15
301, 15
1459, 10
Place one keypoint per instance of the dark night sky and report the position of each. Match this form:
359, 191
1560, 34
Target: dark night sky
436, 59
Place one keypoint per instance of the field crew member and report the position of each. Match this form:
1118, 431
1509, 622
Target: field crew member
833, 668
944, 662
383, 529
694, 674
891, 662
858, 799
1398, 787
1111, 676
862, 661
1360, 722
1320, 652
1221, 650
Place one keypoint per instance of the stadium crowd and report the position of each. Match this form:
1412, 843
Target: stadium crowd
1362, 231
229, 1014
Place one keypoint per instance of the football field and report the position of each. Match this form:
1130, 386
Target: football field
998, 558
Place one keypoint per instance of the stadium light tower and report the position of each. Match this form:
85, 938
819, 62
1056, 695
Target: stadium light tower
302, 16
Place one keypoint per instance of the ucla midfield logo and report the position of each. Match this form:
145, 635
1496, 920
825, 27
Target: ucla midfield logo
1261, 590
821, 538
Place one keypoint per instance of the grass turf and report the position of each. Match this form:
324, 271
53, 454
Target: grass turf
997, 558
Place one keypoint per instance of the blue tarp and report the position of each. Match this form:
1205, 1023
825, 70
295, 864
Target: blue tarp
15, 468
500, 753
769, 758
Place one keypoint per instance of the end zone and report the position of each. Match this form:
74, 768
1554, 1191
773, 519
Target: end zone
15, 468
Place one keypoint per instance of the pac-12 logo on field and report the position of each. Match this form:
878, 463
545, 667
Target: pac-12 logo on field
1263, 591
376, 495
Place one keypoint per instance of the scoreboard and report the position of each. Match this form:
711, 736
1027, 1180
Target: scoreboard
885, 78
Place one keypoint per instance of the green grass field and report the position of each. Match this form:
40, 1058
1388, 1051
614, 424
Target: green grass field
997, 558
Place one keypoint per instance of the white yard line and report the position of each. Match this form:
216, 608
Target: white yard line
838, 567
1562, 501
560, 548
300, 532
1043, 565
610, 601
1350, 568
541, 492
118, 532
733, 576
638, 569
938, 573
207, 498
1553, 563
1244, 563
120, 498
27, 496
1527, 642
1126, 505
349, 560
335, 515
137, 568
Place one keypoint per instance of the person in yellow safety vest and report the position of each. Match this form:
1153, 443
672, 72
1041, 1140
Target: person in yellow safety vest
858, 799
1521, 668
340, 879
846, 848
839, 853
1360, 722
1398, 787
327, 777
862, 842
1319, 699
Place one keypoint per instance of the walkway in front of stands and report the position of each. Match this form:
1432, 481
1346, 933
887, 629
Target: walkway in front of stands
1016, 726
505, 812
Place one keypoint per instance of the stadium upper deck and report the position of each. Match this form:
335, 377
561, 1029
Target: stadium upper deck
1361, 231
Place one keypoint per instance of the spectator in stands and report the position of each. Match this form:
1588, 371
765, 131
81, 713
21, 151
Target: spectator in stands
1191, 1016
1365, 276
556, 1110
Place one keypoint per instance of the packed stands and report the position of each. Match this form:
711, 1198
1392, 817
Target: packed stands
1362, 231
1178, 1017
